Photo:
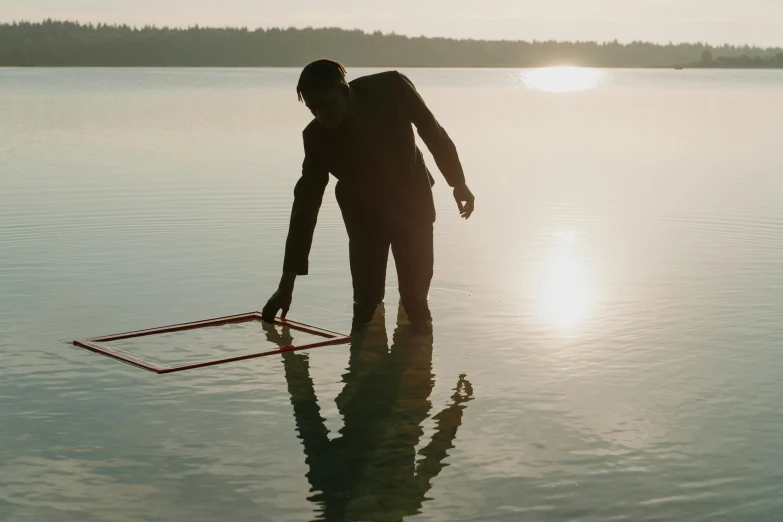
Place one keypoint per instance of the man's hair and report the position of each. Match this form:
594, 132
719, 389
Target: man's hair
318, 75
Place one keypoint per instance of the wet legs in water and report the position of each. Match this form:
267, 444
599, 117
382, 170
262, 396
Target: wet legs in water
371, 238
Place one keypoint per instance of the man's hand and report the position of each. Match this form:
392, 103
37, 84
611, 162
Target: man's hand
281, 299
465, 200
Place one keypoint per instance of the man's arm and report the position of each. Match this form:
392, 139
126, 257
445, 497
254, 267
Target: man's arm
308, 195
439, 143
434, 136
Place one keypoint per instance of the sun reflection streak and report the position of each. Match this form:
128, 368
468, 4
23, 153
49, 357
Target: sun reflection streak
561, 79
565, 291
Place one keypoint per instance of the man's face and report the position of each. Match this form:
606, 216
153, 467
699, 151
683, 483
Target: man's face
328, 106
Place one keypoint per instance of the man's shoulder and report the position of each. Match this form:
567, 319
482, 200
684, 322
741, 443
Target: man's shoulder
313, 131
385, 79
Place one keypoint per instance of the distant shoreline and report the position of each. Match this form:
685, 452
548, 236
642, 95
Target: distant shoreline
69, 44
732, 67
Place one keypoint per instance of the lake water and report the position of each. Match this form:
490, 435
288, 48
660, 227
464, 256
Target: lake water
607, 326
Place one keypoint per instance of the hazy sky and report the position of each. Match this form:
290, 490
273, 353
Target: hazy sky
715, 21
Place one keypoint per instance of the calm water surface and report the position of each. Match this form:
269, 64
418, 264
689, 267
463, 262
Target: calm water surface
607, 327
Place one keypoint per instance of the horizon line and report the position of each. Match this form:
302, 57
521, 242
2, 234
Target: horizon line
392, 33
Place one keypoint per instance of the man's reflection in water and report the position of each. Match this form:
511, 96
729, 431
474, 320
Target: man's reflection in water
370, 472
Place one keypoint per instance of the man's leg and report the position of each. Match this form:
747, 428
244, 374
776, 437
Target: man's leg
412, 247
368, 250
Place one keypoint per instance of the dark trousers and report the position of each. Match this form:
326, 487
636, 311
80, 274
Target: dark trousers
370, 238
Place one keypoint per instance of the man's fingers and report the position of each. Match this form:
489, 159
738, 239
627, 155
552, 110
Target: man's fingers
465, 200
467, 209
269, 312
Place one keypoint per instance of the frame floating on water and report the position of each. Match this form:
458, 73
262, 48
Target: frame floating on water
94, 344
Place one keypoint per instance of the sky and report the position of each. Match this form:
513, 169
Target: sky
754, 22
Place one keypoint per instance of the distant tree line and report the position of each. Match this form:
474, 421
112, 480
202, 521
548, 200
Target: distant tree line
709, 61
58, 43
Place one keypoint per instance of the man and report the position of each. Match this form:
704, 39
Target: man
362, 134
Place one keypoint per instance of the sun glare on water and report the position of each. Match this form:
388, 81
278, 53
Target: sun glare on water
565, 294
561, 79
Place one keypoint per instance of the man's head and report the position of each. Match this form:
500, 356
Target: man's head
323, 88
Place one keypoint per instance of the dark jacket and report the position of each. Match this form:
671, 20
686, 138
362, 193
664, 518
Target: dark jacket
378, 166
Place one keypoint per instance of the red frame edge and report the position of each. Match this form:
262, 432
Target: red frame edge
94, 344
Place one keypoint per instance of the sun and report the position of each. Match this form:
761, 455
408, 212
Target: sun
562, 79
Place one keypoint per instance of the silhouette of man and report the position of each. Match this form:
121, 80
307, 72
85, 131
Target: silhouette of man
362, 135
371, 471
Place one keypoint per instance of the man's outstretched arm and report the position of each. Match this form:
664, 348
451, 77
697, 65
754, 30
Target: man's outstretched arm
308, 195
439, 143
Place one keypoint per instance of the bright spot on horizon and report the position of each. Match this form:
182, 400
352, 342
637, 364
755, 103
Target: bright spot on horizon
561, 79
565, 293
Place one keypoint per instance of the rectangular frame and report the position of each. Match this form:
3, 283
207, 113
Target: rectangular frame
94, 344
